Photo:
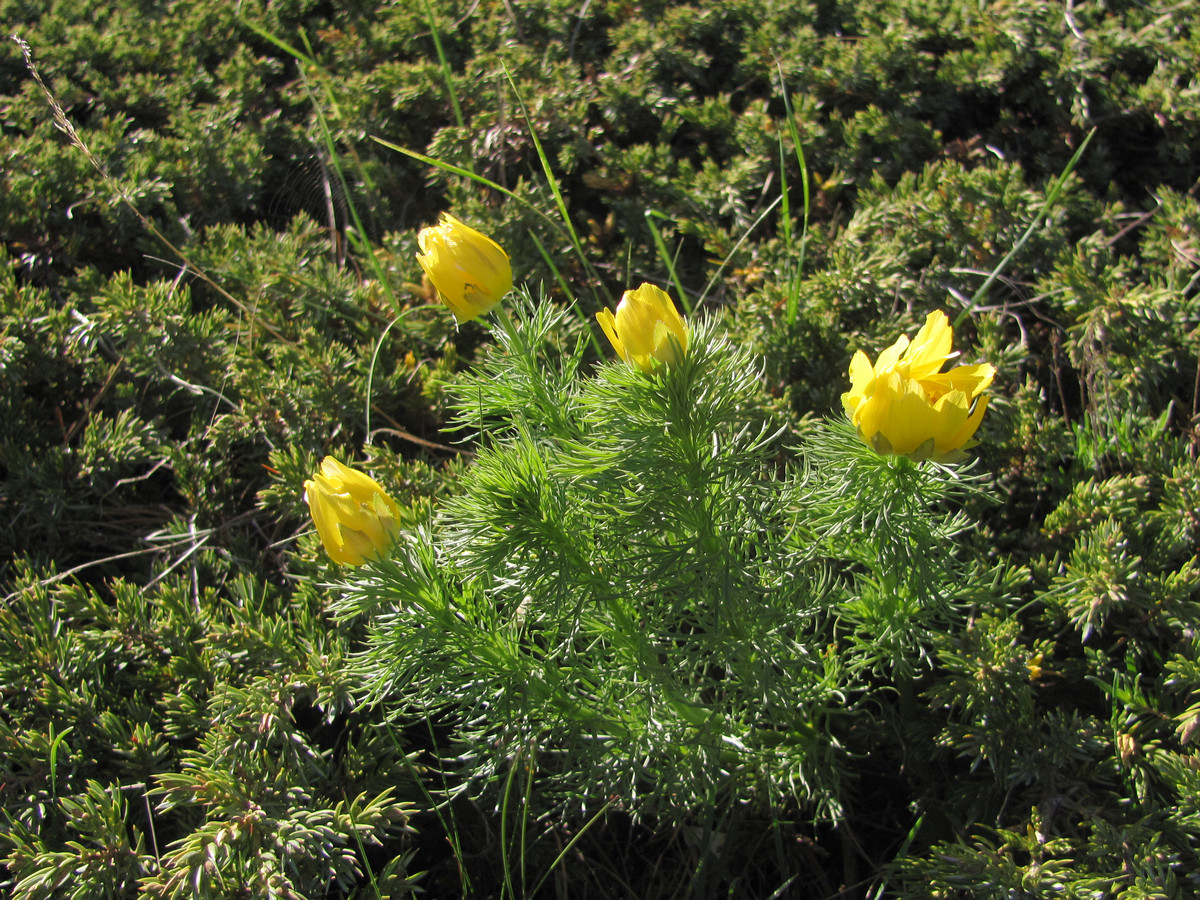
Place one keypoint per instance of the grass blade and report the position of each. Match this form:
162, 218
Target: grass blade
447, 74
651, 215
793, 297
593, 276
1037, 220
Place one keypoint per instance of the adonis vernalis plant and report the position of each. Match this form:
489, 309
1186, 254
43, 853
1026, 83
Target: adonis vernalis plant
629, 581
622, 594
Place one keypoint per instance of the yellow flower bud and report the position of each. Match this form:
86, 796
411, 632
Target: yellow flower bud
355, 518
469, 270
1034, 665
905, 404
646, 327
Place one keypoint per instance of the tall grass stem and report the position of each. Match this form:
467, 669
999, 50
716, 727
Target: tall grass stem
1051, 197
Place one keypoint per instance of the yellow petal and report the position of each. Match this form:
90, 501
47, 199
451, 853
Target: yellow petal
961, 438
353, 547
915, 420
901, 412
889, 357
608, 324
930, 349
971, 380
872, 412
861, 371
862, 374
322, 515
850, 403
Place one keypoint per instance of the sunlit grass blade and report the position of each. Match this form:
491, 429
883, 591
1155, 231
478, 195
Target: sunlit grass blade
880, 891
447, 74
1051, 197
467, 173
785, 211
716, 276
357, 236
793, 287
306, 61
668, 261
449, 825
792, 306
505, 862
561, 281
564, 213
550, 264
570, 845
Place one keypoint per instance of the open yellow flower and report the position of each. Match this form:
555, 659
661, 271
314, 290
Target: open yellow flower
469, 270
355, 517
905, 404
646, 327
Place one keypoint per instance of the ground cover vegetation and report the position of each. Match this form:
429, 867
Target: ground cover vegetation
647, 623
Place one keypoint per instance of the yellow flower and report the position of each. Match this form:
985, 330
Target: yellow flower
1034, 665
647, 327
355, 518
905, 404
470, 271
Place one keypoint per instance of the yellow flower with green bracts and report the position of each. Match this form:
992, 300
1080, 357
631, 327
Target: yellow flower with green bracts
646, 328
355, 517
905, 404
469, 270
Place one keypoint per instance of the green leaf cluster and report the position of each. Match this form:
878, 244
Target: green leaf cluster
640, 592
